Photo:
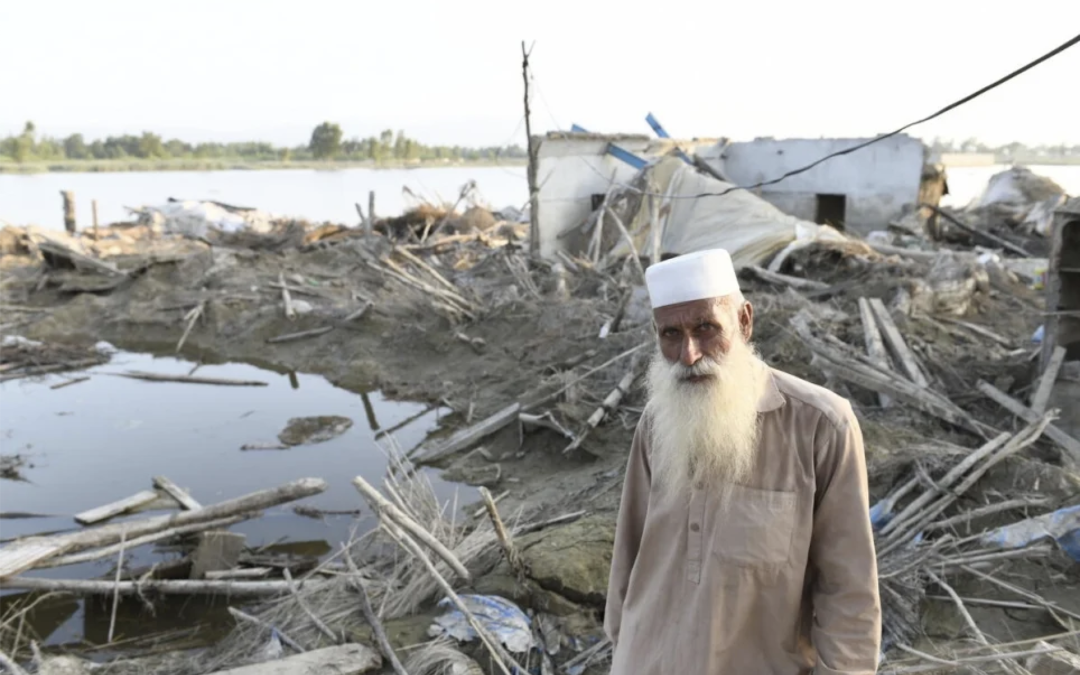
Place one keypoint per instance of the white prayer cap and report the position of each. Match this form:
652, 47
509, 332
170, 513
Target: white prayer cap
694, 276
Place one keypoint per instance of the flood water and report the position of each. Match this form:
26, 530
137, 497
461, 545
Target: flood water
327, 195
317, 195
98, 441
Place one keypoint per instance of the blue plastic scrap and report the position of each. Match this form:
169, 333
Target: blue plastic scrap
1063, 526
499, 616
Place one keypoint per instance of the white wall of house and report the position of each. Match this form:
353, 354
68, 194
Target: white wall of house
878, 181
573, 168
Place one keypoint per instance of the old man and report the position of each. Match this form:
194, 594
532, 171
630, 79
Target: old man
743, 545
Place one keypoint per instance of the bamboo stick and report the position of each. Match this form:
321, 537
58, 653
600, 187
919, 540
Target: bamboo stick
393, 513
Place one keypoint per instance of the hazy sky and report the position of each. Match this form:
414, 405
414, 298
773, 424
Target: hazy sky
449, 72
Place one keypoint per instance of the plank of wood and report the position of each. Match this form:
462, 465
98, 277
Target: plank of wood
26, 553
350, 659
464, 438
875, 347
107, 511
895, 341
1054, 433
176, 492
1046, 382
217, 551
189, 379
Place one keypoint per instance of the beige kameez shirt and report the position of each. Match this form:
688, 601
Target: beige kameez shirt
780, 581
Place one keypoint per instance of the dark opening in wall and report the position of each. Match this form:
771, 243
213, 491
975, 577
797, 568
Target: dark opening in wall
1068, 297
831, 210
597, 200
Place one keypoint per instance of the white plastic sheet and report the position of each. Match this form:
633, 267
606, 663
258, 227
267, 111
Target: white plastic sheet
195, 218
748, 227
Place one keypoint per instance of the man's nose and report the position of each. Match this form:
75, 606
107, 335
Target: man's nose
690, 353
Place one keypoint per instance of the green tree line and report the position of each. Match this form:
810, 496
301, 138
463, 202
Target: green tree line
327, 143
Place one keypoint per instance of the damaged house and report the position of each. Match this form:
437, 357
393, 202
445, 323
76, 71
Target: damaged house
860, 192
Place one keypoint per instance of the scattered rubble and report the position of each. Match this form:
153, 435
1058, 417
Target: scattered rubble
926, 329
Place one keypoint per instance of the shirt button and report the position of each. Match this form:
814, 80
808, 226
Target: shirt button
694, 527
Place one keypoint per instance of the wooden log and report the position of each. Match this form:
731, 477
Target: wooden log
980, 330
1067, 443
69, 210
217, 550
286, 299
108, 551
302, 335
875, 348
393, 513
1041, 397
469, 436
350, 659
785, 280
235, 589
107, 511
27, 553
189, 379
185, 500
896, 343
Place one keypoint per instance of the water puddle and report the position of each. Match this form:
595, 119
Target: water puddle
100, 440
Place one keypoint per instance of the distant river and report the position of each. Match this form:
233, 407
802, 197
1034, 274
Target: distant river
325, 195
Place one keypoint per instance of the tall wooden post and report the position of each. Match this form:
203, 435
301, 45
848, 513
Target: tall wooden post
93, 208
534, 216
371, 210
69, 210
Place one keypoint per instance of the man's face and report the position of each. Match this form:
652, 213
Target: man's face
689, 331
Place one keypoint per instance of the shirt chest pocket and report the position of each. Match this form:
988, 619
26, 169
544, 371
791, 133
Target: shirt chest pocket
755, 528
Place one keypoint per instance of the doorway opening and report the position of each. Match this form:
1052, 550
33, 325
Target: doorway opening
831, 210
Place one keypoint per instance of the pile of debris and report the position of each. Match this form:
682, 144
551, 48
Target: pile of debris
20, 357
927, 330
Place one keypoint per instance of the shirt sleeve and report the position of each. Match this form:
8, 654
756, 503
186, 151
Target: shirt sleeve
629, 527
846, 632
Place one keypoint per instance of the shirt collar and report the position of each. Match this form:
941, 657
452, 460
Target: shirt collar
771, 398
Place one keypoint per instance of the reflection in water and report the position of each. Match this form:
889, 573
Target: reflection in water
370, 411
192, 434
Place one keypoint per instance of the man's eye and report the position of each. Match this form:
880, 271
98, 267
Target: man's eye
670, 332
707, 327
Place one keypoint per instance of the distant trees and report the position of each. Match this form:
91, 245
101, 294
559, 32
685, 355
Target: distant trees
325, 141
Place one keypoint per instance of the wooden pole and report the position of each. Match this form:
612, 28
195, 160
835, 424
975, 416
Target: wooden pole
69, 210
534, 216
370, 211
93, 208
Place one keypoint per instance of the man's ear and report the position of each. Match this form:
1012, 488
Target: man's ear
746, 320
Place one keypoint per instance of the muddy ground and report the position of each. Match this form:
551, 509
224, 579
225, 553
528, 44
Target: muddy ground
523, 327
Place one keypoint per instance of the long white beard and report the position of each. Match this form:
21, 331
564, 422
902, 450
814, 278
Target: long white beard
705, 431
